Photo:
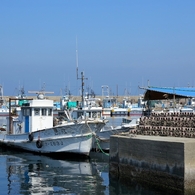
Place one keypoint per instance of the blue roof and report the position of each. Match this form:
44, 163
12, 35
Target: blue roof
169, 92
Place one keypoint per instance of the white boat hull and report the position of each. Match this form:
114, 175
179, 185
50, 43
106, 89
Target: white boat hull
71, 138
102, 139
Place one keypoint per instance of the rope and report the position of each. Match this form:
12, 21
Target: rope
89, 127
97, 141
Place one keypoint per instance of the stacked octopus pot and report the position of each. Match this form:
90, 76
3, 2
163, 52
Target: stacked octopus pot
176, 124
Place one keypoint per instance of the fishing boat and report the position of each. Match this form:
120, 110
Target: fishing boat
3, 107
33, 128
102, 139
114, 109
90, 108
111, 107
4, 111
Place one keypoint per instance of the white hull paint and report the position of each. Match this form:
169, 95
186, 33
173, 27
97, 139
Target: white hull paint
75, 138
102, 139
4, 113
80, 144
35, 129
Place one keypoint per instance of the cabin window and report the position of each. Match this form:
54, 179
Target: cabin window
26, 112
49, 112
36, 111
79, 114
44, 111
94, 114
98, 114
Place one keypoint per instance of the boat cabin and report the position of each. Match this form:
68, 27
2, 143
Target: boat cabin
33, 116
95, 112
109, 102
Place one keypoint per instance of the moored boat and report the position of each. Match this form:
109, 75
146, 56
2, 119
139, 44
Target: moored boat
102, 138
34, 129
4, 111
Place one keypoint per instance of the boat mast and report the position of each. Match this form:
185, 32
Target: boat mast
82, 76
77, 59
82, 86
1, 96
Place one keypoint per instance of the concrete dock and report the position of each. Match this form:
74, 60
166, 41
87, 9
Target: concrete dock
166, 162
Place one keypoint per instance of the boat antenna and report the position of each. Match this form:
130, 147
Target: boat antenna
82, 86
82, 76
41, 93
77, 59
1, 95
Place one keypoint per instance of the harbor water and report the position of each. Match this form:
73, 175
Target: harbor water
28, 173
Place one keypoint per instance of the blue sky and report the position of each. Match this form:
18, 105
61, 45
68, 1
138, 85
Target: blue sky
121, 44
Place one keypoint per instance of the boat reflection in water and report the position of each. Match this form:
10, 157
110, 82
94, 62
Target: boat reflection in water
26, 173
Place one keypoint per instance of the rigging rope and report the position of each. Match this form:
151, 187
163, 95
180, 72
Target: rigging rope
97, 140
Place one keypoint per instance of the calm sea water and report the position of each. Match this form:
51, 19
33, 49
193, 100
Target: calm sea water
27, 173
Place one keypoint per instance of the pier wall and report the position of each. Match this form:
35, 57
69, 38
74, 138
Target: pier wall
78, 98
166, 162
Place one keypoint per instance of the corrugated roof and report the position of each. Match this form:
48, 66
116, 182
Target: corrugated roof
157, 93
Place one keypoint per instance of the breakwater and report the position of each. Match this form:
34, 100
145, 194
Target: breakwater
159, 152
134, 98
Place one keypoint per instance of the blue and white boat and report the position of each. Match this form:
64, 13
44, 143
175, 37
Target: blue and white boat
35, 129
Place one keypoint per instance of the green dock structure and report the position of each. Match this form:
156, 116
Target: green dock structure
161, 161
